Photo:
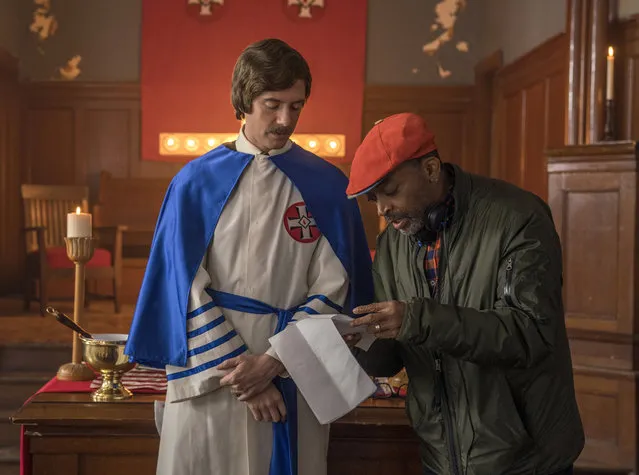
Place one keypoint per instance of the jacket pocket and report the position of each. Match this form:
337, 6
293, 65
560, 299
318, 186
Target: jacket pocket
501, 435
416, 414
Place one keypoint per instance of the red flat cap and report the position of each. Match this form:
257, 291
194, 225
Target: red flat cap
391, 142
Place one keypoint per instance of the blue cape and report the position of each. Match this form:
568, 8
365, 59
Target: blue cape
189, 215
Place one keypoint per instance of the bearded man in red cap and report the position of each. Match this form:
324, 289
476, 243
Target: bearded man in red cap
468, 283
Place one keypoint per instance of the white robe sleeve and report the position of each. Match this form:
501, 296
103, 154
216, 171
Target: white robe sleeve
211, 340
328, 285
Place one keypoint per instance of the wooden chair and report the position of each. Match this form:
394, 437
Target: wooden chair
45, 218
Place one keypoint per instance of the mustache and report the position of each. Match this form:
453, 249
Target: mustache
280, 130
390, 217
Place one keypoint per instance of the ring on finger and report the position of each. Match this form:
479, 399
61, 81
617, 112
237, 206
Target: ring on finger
377, 327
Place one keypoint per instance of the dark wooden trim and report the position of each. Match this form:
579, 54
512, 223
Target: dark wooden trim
575, 129
53, 91
437, 95
600, 151
596, 78
11, 164
589, 335
608, 373
625, 39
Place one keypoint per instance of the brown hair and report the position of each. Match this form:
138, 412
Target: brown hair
268, 65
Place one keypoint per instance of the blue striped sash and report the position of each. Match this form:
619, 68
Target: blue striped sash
284, 453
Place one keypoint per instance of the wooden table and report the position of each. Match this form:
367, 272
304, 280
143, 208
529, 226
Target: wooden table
69, 434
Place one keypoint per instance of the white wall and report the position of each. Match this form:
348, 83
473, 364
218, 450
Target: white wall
627, 8
518, 26
397, 32
104, 33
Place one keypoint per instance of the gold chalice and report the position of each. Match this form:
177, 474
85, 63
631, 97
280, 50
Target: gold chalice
105, 353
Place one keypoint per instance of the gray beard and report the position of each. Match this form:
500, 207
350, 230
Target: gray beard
415, 226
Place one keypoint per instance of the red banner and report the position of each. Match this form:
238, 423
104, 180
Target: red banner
188, 60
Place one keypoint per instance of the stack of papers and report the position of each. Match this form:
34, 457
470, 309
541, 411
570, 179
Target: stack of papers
325, 371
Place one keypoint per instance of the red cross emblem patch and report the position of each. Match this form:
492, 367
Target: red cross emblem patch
300, 224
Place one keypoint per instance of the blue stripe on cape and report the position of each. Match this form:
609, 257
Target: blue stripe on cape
189, 215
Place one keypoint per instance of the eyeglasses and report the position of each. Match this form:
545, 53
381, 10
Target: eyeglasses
385, 390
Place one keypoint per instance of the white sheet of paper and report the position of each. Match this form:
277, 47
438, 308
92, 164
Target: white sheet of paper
158, 412
323, 367
343, 325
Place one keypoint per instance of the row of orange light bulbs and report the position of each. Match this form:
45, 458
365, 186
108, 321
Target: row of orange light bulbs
177, 144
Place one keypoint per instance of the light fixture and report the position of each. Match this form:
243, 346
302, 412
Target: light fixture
194, 145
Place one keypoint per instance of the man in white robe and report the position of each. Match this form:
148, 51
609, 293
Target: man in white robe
267, 263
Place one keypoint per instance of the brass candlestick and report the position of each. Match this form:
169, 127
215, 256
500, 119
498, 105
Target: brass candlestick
609, 126
80, 251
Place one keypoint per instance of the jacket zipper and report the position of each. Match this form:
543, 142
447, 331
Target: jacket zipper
447, 419
508, 290
441, 395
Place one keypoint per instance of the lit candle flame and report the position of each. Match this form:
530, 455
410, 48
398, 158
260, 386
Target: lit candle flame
77, 210
611, 52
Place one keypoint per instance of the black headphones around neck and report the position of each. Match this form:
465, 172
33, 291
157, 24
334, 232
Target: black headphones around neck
436, 219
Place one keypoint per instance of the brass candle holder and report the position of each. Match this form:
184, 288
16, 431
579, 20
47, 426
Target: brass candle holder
609, 125
80, 251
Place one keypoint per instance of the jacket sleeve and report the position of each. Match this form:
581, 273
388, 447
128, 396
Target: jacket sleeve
521, 328
383, 358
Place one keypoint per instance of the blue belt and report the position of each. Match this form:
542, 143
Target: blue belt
284, 454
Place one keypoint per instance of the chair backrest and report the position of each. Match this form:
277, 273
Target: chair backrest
48, 206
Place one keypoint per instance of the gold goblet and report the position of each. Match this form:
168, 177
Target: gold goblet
105, 353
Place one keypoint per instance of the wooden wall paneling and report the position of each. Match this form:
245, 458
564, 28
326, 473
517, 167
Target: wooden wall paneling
530, 115
11, 237
593, 201
448, 111
606, 403
75, 130
593, 197
482, 117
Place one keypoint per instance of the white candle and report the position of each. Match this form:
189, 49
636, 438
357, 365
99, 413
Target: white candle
78, 224
610, 74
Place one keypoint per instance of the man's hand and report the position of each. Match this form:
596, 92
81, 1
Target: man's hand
249, 375
268, 406
384, 319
